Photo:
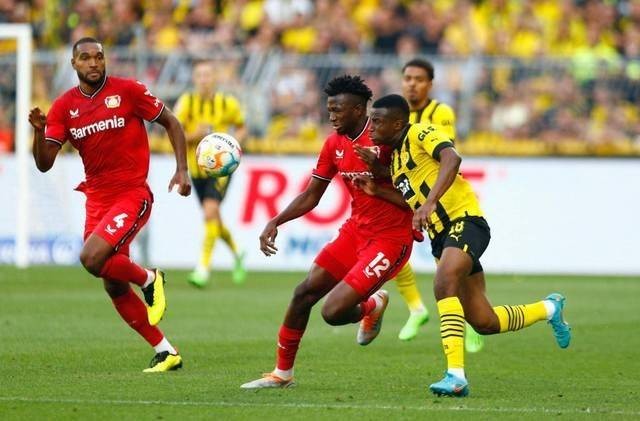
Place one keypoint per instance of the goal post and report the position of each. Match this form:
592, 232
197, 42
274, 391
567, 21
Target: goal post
22, 33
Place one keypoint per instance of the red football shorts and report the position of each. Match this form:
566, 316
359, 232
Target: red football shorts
362, 262
118, 221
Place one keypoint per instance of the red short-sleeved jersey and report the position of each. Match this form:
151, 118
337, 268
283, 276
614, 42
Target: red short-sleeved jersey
107, 128
372, 215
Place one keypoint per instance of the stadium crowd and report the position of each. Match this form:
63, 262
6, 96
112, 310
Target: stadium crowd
546, 76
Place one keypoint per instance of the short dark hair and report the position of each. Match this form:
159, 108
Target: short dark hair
423, 64
396, 104
84, 40
347, 84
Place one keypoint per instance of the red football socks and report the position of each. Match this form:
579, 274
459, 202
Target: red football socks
367, 307
120, 268
288, 342
134, 312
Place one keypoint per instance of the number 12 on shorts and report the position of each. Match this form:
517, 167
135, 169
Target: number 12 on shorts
377, 266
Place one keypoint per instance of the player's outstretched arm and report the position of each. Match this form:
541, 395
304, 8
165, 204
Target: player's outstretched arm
176, 136
44, 153
302, 204
449, 167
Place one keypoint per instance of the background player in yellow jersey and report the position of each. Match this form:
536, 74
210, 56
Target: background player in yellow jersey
424, 169
202, 111
417, 81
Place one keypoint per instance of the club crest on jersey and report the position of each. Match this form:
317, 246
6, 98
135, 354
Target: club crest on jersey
74, 113
112, 101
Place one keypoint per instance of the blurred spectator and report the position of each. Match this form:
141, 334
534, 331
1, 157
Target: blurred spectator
595, 58
465, 34
283, 13
511, 115
387, 24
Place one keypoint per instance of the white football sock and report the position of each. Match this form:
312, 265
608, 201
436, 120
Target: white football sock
151, 276
421, 310
283, 374
202, 270
164, 345
550, 307
458, 372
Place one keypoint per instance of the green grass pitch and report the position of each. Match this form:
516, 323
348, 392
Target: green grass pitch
65, 354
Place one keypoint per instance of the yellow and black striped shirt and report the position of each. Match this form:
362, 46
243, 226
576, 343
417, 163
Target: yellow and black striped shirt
415, 166
436, 113
221, 113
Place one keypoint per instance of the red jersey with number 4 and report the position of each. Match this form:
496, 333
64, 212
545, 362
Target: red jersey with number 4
372, 215
107, 128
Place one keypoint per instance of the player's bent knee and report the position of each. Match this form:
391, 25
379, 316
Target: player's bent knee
332, 315
447, 282
91, 262
444, 286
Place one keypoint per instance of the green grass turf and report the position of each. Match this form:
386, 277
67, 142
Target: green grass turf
65, 354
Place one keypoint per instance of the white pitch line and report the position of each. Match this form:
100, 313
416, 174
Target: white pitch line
228, 404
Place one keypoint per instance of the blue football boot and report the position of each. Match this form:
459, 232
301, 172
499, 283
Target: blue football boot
450, 386
561, 329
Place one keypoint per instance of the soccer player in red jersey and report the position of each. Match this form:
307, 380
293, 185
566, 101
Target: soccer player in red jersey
103, 118
371, 246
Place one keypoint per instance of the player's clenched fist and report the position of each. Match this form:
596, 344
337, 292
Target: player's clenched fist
37, 118
181, 179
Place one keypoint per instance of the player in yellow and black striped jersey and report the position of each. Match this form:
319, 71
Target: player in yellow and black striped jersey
424, 169
203, 111
417, 81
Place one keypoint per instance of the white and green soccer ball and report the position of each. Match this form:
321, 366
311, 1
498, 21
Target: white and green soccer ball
218, 154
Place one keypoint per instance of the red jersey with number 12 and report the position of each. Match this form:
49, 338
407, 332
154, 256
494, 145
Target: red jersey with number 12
107, 128
372, 215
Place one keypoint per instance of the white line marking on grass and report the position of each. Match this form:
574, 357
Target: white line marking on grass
227, 404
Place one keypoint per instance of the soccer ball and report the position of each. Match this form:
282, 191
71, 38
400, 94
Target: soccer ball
218, 154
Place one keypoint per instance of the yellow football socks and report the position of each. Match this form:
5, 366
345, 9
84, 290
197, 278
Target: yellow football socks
406, 282
211, 234
452, 331
225, 234
520, 316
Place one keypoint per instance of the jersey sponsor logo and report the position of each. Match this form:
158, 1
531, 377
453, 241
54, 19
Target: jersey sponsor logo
114, 122
339, 154
74, 113
350, 175
424, 133
377, 266
112, 101
119, 223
